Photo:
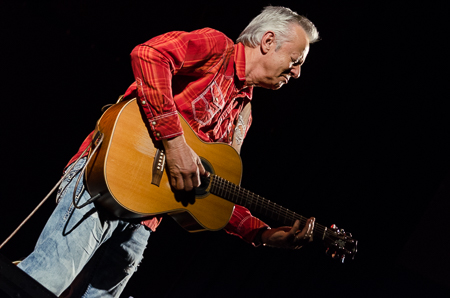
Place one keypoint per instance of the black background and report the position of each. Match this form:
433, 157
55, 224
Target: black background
361, 140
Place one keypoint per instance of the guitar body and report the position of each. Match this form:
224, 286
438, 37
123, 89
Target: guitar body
121, 172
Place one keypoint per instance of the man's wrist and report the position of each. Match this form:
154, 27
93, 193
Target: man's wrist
174, 143
259, 239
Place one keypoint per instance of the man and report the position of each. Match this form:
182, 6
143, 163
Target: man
209, 80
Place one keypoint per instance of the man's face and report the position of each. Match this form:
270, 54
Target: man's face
278, 66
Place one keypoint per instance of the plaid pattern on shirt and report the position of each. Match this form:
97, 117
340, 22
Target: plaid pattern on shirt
192, 73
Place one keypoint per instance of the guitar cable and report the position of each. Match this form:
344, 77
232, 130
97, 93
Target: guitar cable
97, 140
98, 137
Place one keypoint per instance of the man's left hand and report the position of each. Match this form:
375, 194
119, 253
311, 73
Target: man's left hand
289, 237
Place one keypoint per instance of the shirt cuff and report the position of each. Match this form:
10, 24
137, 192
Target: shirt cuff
166, 126
244, 225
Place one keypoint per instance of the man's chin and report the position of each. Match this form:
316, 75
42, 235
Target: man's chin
278, 86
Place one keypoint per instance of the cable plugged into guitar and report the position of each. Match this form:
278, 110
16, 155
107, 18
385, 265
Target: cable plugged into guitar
340, 243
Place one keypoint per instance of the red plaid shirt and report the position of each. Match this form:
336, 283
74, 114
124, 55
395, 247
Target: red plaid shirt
201, 75
192, 73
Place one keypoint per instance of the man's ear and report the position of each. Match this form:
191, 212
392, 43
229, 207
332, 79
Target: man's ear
267, 42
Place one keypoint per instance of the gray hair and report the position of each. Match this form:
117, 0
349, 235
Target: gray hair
279, 20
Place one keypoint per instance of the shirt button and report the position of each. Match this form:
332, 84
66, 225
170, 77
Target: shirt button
153, 122
158, 134
143, 102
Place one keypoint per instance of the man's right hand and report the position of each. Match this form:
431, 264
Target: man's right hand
183, 164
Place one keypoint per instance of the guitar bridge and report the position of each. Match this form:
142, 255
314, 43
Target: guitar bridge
158, 167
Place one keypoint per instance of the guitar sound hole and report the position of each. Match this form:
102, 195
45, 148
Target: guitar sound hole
202, 190
187, 198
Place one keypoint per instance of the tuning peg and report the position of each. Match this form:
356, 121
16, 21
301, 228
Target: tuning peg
331, 252
347, 252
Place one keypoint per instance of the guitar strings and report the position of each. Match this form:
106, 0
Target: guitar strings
237, 194
253, 199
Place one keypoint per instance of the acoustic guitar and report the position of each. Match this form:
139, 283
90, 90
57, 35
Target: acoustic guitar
127, 175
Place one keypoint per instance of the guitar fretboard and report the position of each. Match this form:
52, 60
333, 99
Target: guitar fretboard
238, 195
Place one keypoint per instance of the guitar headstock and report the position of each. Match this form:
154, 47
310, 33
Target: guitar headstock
340, 244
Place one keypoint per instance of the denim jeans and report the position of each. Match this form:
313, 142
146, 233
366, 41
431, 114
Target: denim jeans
85, 252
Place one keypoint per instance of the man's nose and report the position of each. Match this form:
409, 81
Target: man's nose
295, 72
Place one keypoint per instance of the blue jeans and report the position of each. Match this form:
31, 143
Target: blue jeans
85, 252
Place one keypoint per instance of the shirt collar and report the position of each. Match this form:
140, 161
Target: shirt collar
239, 62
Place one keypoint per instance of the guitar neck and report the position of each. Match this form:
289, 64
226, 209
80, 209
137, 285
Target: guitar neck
238, 195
